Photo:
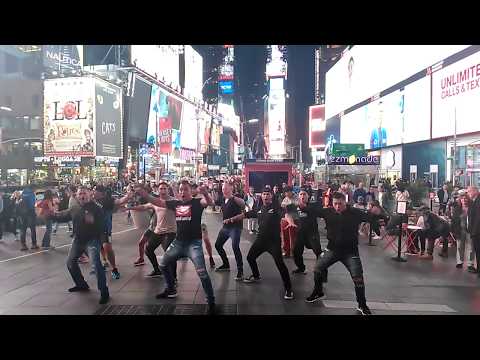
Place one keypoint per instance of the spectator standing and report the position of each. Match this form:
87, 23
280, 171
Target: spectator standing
459, 227
359, 192
28, 218
443, 198
46, 213
473, 218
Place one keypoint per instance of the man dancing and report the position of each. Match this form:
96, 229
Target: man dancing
268, 240
188, 212
164, 232
232, 212
342, 233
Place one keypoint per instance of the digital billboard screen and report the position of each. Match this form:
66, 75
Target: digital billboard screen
276, 122
189, 127
366, 70
69, 117
332, 133
226, 87
138, 109
61, 57
193, 73
109, 113
399, 117
456, 94
317, 125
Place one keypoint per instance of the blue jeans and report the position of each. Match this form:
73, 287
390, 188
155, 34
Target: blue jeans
77, 249
234, 233
48, 232
194, 250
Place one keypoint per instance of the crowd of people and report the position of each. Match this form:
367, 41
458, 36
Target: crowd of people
283, 221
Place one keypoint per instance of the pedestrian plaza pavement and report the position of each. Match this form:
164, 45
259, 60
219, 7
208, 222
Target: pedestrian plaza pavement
36, 283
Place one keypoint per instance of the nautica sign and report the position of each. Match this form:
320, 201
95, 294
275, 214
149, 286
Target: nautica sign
62, 58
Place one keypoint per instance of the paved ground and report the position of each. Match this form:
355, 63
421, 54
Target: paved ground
37, 283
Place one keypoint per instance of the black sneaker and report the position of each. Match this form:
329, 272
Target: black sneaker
115, 274
315, 297
223, 267
459, 266
472, 269
364, 310
299, 271
79, 289
239, 276
154, 274
212, 263
288, 295
167, 294
104, 299
251, 279
211, 309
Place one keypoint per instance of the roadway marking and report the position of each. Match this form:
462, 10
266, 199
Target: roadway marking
56, 247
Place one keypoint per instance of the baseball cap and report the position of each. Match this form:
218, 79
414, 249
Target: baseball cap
267, 189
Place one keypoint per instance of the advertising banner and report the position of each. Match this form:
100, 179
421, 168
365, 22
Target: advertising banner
193, 73
69, 117
317, 126
399, 117
456, 92
165, 115
160, 61
205, 121
366, 70
215, 136
332, 133
60, 57
108, 110
189, 127
276, 65
276, 122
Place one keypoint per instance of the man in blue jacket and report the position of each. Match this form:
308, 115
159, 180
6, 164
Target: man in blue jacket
26, 208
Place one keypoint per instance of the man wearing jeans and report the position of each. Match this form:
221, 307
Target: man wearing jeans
342, 233
188, 213
89, 223
232, 211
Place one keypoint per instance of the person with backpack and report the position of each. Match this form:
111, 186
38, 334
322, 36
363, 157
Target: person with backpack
46, 212
28, 218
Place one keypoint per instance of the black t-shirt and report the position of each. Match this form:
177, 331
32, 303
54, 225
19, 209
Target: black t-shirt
229, 210
269, 217
342, 229
306, 218
189, 218
85, 232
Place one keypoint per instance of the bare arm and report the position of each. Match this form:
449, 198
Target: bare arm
123, 200
240, 202
207, 200
151, 199
144, 207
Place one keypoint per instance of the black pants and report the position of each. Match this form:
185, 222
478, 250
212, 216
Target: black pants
476, 247
353, 264
274, 248
305, 240
431, 235
29, 221
154, 241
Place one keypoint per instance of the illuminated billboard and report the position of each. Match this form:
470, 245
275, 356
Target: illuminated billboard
276, 123
276, 61
189, 127
160, 61
317, 126
366, 70
69, 117
399, 117
193, 73
61, 57
456, 93
165, 115
226, 87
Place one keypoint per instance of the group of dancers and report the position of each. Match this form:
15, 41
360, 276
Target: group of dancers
179, 230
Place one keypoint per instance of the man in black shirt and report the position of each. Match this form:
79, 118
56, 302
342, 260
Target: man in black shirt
268, 240
305, 216
89, 224
188, 243
232, 212
342, 233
